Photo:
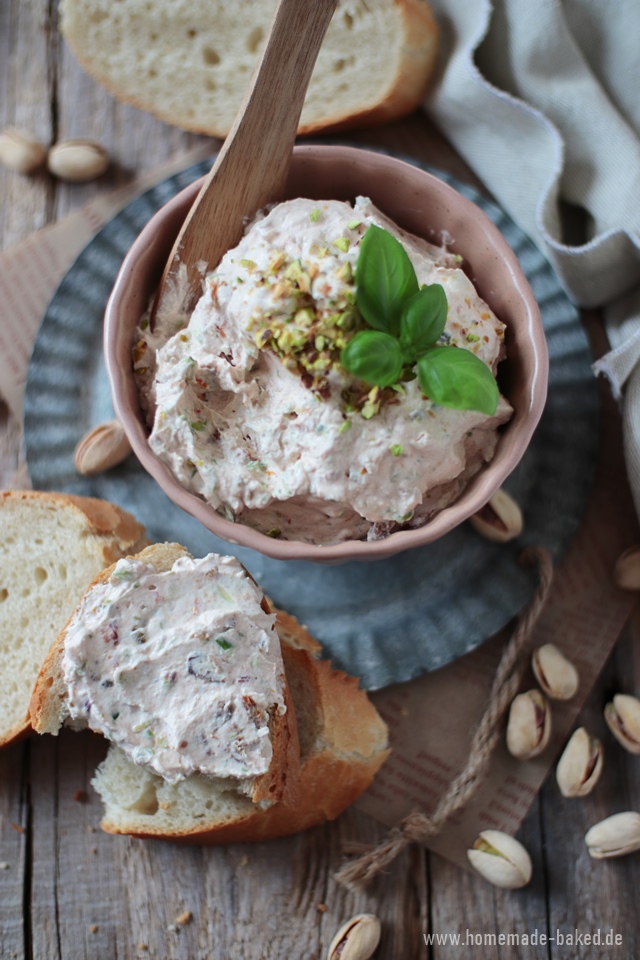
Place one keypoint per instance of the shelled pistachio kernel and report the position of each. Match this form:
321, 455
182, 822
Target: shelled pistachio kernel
615, 836
626, 572
500, 519
623, 719
19, 151
77, 161
556, 675
501, 859
357, 939
580, 765
529, 725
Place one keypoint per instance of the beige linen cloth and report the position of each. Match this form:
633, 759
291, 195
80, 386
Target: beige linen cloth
542, 98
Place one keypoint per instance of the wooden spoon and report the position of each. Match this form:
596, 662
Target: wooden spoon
251, 168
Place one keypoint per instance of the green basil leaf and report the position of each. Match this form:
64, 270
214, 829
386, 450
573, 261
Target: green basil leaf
373, 356
385, 278
455, 377
422, 320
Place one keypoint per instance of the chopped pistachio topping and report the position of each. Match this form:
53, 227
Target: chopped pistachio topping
342, 243
372, 403
314, 216
396, 449
307, 339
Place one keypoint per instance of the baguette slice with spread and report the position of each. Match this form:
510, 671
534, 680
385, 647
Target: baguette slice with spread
343, 743
178, 661
189, 63
51, 547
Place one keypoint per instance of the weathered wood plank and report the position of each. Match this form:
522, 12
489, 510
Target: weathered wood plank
97, 896
417, 138
45, 874
469, 914
24, 103
585, 894
14, 850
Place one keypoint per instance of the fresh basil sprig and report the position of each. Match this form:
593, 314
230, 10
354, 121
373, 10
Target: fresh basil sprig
407, 322
385, 280
374, 356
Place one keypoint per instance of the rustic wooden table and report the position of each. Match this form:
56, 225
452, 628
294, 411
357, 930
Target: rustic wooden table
68, 891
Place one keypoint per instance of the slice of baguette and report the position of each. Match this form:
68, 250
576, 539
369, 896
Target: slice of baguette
343, 743
52, 546
188, 62
50, 700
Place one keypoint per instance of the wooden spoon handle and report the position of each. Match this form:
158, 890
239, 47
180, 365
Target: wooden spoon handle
251, 168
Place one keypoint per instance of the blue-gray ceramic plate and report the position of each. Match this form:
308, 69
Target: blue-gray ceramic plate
384, 622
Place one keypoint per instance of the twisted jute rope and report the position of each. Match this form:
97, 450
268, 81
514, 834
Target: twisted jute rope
418, 827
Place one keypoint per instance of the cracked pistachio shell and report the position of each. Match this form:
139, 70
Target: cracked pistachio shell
19, 151
615, 836
103, 447
529, 725
556, 675
500, 519
501, 860
357, 939
580, 765
626, 573
77, 161
623, 719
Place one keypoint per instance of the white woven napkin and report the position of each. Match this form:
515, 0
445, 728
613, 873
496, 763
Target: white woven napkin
542, 98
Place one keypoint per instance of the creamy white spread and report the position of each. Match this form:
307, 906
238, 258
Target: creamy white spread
263, 444
181, 669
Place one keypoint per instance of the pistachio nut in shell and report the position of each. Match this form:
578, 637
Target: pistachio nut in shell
556, 675
615, 836
501, 859
626, 572
500, 519
103, 447
19, 151
77, 161
623, 719
357, 939
580, 765
529, 725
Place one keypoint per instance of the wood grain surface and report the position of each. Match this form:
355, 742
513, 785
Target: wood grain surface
67, 891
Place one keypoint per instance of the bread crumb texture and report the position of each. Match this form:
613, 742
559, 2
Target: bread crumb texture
189, 61
50, 550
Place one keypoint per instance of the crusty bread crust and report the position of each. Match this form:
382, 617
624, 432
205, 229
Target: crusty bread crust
348, 749
404, 92
49, 702
415, 70
119, 533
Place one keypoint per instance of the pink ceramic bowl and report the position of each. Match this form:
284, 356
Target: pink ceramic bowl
421, 204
